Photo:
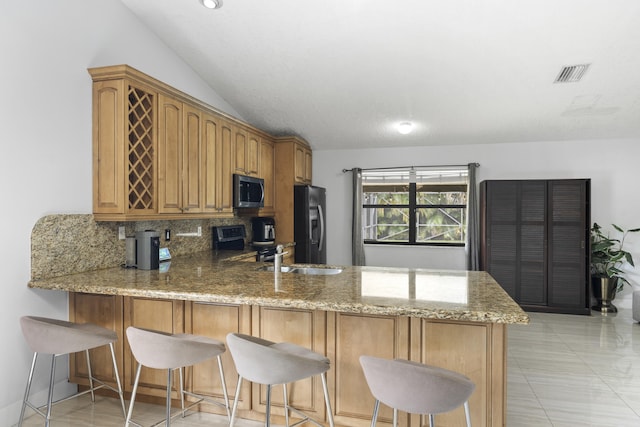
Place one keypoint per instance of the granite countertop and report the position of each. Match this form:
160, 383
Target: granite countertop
222, 277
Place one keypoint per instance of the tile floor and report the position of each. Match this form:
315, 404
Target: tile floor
566, 370
563, 371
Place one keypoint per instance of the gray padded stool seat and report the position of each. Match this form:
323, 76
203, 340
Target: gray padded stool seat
415, 388
161, 350
268, 363
59, 337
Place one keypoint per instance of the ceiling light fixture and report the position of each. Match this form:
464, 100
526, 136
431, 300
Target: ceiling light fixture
212, 4
405, 127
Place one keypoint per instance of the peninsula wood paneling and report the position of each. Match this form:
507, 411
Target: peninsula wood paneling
306, 328
156, 314
105, 311
350, 336
216, 321
475, 349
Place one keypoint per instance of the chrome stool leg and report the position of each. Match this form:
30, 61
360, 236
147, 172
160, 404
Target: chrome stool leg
326, 398
133, 395
223, 382
51, 381
374, 417
115, 370
286, 405
268, 410
235, 402
26, 392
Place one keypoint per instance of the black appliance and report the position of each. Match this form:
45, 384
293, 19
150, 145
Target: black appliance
147, 250
231, 237
248, 191
309, 224
228, 237
264, 231
265, 254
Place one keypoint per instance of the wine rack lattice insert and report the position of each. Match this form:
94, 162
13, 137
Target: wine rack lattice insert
140, 134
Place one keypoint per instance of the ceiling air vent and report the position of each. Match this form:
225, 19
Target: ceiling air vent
571, 73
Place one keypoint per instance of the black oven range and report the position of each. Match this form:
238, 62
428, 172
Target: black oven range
232, 237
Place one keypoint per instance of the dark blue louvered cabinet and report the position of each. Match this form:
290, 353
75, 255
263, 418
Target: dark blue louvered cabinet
535, 241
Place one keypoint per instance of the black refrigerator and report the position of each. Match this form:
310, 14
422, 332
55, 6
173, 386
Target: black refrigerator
309, 224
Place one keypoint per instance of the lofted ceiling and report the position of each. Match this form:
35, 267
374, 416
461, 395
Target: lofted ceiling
344, 73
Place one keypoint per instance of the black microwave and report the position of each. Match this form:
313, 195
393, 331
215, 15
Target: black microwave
248, 191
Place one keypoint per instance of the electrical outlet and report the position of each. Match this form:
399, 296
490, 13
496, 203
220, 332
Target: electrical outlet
199, 231
122, 235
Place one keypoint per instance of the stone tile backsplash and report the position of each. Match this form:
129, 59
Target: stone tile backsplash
74, 243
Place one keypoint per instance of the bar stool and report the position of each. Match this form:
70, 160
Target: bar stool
59, 337
268, 363
415, 388
161, 350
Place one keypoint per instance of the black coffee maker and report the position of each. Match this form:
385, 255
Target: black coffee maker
264, 231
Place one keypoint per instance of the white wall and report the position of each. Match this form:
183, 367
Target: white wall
45, 132
612, 166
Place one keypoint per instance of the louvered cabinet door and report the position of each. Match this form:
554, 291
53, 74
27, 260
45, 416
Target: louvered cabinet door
569, 221
532, 231
499, 235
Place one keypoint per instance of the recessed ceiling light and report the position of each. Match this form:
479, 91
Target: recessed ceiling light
405, 127
212, 4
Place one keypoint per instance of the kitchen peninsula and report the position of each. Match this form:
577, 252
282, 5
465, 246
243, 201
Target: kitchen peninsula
454, 319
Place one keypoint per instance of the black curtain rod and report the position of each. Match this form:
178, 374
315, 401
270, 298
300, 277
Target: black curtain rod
407, 167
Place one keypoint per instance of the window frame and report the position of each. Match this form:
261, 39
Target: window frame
413, 207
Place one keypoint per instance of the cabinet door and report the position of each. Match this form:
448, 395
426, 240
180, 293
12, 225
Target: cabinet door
109, 144
156, 314
225, 169
210, 162
568, 275
469, 343
299, 166
267, 173
253, 154
102, 310
191, 160
170, 161
302, 327
240, 159
499, 248
532, 235
348, 337
216, 321
307, 166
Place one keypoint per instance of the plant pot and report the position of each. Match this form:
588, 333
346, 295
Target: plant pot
604, 291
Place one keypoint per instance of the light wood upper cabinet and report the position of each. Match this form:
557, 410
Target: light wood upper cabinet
169, 155
246, 152
181, 159
226, 151
124, 166
161, 154
293, 157
267, 172
217, 156
302, 166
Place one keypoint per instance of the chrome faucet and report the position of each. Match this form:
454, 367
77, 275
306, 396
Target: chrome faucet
277, 259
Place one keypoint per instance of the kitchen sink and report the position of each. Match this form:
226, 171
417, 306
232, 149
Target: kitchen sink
304, 270
316, 270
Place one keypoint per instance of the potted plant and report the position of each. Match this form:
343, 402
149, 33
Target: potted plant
607, 258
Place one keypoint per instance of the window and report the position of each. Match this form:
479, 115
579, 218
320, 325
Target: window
415, 206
